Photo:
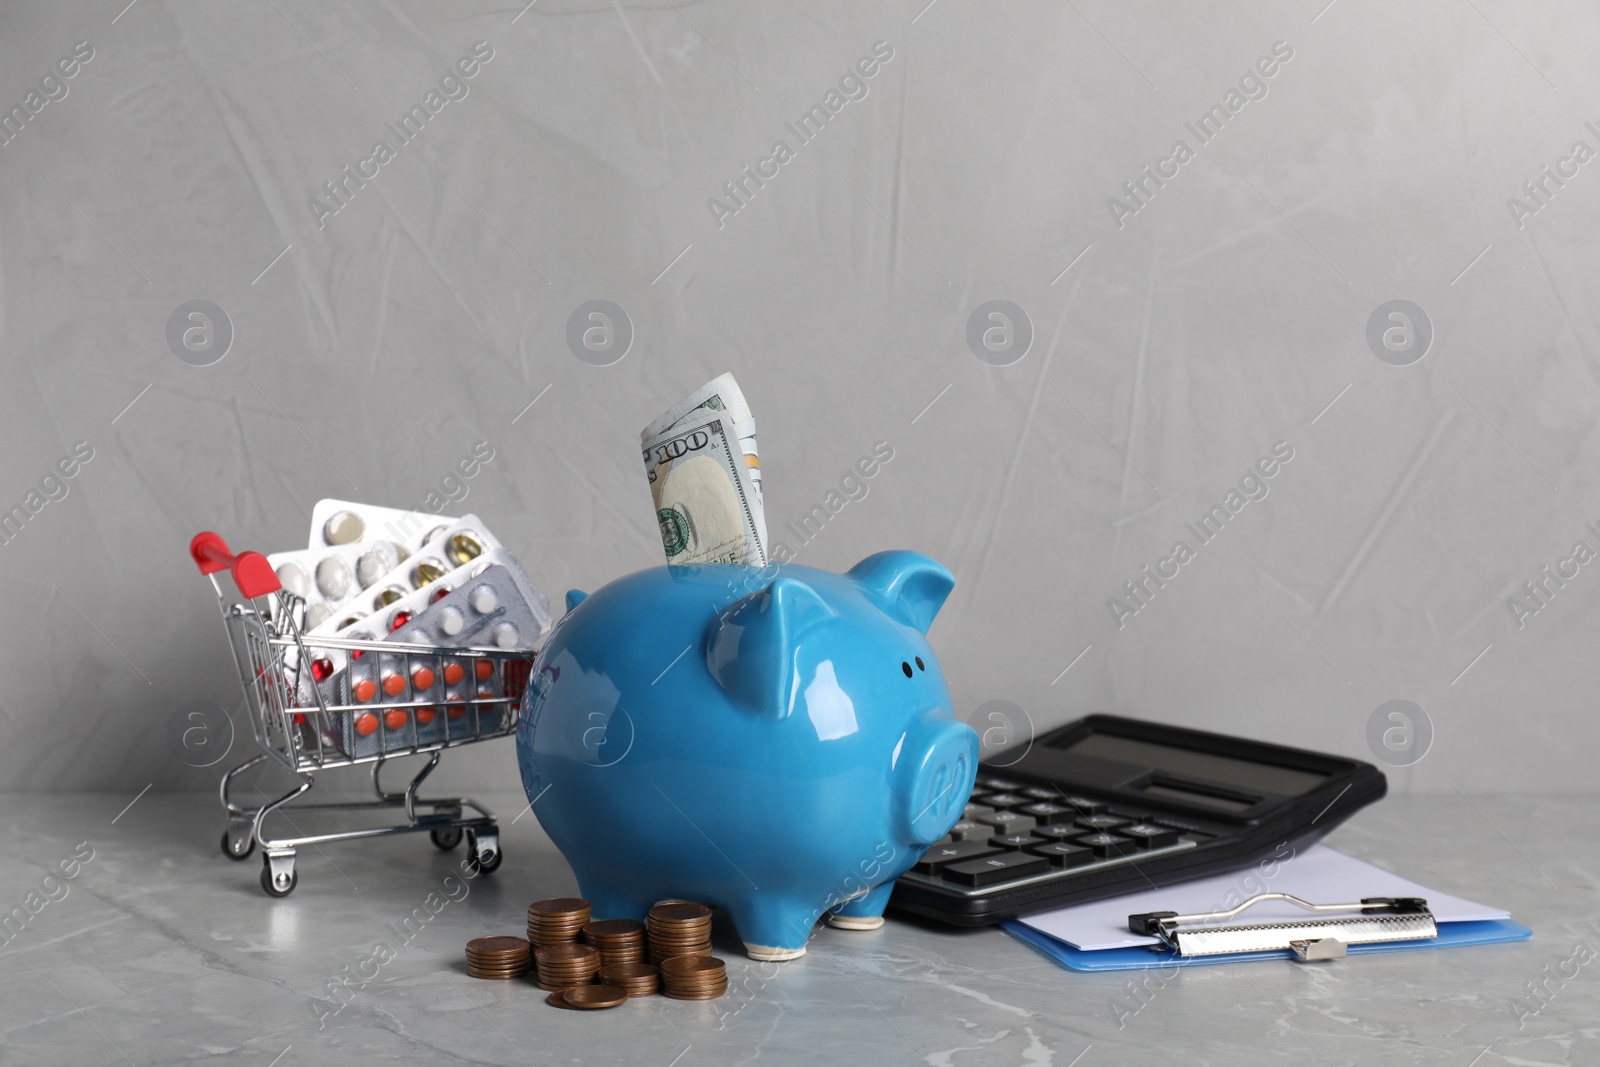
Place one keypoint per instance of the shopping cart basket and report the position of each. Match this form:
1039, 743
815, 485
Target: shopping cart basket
298, 719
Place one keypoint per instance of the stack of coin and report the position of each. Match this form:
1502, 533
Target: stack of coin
498, 957
619, 940
588, 997
638, 979
557, 920
694, 977
680, 928
564, 966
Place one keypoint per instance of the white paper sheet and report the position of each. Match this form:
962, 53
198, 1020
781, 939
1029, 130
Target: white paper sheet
1319, 874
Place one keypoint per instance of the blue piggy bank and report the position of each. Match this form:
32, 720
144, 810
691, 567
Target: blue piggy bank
775, 741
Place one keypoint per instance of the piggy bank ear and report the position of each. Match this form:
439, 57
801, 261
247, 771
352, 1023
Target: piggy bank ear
575, 597
752, 643
907, 586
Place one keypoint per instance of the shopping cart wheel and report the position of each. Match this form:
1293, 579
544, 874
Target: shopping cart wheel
484, 849
278, 879
448, 838
237, 849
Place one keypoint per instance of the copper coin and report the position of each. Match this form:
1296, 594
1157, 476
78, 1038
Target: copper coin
595, 996
558, 906
614, 928
567, 951
692, 965
684, 912
559, 987
559, 999
497, 943
694, 987
500, 961
670, 995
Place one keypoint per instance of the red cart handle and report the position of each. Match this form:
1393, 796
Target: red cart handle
251, 571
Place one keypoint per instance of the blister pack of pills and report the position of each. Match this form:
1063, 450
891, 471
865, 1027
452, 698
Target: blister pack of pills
420, 698
327, 578
344, 522
495, 606
423, 564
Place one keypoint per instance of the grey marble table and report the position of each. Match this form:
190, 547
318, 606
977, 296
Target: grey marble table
163, 951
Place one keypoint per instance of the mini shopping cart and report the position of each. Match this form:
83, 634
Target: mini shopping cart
306, 721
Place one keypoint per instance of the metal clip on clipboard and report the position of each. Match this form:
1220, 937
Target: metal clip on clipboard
1374, 919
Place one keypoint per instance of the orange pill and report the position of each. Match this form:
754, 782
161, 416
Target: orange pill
422, 678
484, 668
364, 691
425, 715
394, 684
394, 719
365, 724
453, 673
457, 709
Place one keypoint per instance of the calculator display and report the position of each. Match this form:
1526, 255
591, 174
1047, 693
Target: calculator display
1187, 763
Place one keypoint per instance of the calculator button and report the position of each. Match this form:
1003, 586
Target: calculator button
1105, 844
1007, 822
992, 869
940, 855
1058, 831
975, 811
967, 830
1047, 812
1039, 792
989, 781
1062, 854
1083, 805
1006, 800
1016, 841
1147, 836
1100, 822
1130, 816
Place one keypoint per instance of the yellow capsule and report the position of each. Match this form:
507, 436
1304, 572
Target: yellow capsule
464, 548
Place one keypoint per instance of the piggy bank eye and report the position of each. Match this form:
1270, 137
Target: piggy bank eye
920, 667
905, 667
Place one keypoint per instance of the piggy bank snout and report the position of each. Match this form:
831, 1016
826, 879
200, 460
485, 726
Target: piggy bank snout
940, 773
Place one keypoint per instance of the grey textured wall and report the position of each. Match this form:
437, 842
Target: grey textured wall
1368, 155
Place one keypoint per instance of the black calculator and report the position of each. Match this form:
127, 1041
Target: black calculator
1108, 805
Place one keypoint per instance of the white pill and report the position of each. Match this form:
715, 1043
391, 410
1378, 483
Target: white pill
483, 600
333, 578
505, 635
293, 578
375, 562
316, 615
343, 528
451, 621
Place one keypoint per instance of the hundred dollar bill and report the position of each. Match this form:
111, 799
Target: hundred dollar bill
705, 501
722, 393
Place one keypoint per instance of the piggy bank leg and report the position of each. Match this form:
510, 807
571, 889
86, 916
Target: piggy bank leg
864, 912
772, 928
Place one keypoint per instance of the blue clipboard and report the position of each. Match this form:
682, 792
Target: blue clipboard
1142, 957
